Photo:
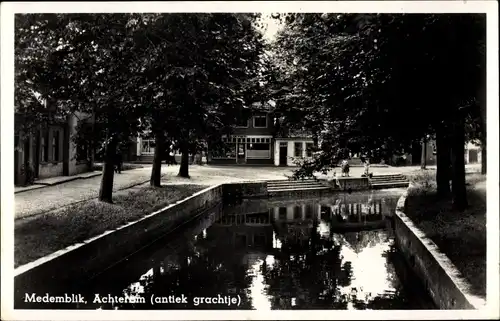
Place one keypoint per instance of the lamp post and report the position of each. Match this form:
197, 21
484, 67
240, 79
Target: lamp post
424, 152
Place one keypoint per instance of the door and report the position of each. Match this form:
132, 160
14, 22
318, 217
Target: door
283, 153
416, 155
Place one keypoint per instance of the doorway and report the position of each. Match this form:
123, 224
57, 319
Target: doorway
416, 155
283, 153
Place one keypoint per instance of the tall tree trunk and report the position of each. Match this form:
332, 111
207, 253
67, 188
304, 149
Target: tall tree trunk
458, 166
184, 169
443, 161
482, 107
423, 162
483, 158
157, 158
106, 189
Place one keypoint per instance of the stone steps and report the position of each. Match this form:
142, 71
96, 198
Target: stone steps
295, 187
389, 181
389, 185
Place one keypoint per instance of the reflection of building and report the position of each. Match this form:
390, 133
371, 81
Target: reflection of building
293, 223
246, 236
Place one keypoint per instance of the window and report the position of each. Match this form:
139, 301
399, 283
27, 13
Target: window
260, 121
297, 212
282, 213
148, 147
309, 149
44, 142
298, 149
259, 150
55, 145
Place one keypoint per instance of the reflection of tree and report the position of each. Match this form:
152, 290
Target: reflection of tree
307, 274
398, 298
204, 270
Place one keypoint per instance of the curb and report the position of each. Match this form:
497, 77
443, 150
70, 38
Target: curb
457, 285
70, 179
49, 257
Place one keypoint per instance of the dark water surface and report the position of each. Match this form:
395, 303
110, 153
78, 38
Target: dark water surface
267, 254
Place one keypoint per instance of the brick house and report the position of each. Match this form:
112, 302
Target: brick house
50, 150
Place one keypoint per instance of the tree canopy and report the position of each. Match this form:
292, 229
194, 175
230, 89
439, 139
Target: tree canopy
184, 76
376, 83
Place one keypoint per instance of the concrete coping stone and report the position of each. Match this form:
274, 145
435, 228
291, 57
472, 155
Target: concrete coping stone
444, 262
31, 265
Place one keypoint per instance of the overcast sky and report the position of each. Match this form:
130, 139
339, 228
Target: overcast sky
272, 27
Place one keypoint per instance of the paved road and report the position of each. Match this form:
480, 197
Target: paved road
48, 198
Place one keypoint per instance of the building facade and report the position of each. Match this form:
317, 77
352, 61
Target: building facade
257, 140
50, 151
426, 153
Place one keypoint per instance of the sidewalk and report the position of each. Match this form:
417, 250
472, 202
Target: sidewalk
41, 183
50, 197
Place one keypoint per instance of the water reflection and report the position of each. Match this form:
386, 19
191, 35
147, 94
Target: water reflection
283, 254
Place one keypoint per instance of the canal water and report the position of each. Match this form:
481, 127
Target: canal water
315, 253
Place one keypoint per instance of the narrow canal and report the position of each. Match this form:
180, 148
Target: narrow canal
311, 253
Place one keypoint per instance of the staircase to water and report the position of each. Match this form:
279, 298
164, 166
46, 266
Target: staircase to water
389, 181
294, 187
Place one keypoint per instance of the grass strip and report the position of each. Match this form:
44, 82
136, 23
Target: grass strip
459, 235
41, 235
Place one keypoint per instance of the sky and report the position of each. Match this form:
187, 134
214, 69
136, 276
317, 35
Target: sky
272, 27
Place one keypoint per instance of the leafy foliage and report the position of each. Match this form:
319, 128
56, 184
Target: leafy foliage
376, 83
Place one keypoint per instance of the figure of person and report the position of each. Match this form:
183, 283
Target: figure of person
345, 168
30, 173
367, 168
118, 161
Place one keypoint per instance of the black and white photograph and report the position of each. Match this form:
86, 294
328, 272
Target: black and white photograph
250, 160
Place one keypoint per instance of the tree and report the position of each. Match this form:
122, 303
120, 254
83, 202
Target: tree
92, 68
367, 74
36, 47
201, 74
